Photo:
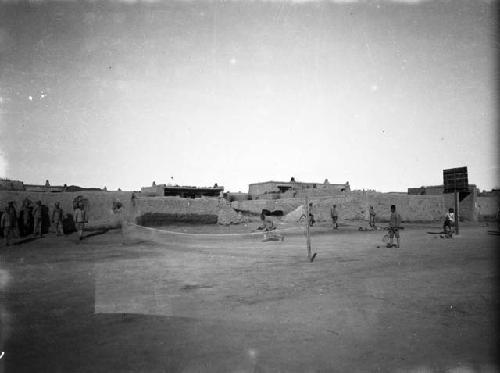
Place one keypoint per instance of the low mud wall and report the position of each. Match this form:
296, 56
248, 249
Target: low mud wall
100, 204
143, 210
154, 211
412, 208
158, 219
355, 206
487, 208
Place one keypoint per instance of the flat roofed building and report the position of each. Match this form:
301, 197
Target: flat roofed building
6, 184
43, 188
58, 188
164, 190
286, 188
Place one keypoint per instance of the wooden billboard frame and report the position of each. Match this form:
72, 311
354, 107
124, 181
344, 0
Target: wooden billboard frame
456, 180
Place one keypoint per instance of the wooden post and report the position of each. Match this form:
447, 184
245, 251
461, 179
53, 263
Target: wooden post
456, 180
308, 236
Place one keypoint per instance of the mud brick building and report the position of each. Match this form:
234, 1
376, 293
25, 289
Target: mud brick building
292, 188
163, 190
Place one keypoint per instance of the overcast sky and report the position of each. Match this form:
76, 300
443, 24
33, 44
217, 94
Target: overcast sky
383, 94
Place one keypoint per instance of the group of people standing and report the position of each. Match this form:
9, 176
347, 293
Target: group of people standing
393, 228
335, 217
33, 220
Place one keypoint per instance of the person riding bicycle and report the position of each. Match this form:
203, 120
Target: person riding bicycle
310, 219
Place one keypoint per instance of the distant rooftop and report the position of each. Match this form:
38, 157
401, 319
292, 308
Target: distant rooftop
295, 182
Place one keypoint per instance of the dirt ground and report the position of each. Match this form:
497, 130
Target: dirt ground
236, 304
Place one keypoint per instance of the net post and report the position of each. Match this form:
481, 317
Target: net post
308, 235
457, 206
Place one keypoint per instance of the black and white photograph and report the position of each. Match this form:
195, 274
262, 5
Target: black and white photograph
249, 186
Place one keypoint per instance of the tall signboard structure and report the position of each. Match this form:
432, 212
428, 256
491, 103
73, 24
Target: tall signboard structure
455, 180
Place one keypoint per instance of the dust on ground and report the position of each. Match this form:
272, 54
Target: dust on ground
236, 304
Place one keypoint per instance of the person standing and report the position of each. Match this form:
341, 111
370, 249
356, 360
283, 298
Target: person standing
449, 222
2, 211
372, 217
57, 219
13, 220
335, 216
498, 218
311, 215
37, 217
267, 224
310, 218
269, 229
121, 219
26, 220
394, 226
6, 225
80, 219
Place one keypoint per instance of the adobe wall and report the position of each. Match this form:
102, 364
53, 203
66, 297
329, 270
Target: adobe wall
163, 210
468, 206
351, 206
271, 191
255, 207
100, 203
259, 189
415, 208
348, 207
487, 207
11, 185
157, 210
314, 193
355, 205
160, 210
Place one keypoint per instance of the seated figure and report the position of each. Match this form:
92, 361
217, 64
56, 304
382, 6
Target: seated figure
449, 223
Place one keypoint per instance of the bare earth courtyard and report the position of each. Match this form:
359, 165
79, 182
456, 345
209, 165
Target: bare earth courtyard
235, 304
